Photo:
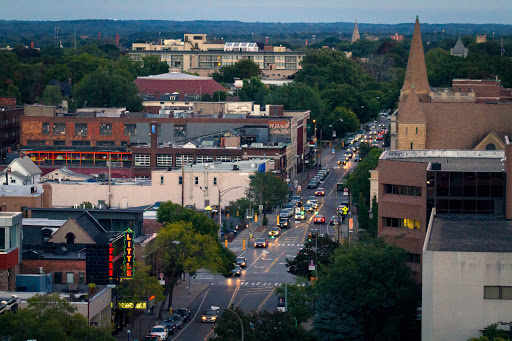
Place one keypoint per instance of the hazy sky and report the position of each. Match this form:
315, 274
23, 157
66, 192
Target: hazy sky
367, 11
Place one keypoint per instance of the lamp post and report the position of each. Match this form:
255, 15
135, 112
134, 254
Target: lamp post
285, 282
239, 319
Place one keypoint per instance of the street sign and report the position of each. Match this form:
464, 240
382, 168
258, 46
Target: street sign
345, 210
295, 183
345, 189
333, 133
299, 188
311, 266
351, 223
333, 151
260, 208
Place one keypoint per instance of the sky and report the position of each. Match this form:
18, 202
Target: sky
366, 11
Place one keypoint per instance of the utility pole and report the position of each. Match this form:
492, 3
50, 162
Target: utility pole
182, 182
220, 212
109, 176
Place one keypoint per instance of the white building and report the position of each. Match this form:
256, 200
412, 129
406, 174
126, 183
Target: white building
21, 171
467, 276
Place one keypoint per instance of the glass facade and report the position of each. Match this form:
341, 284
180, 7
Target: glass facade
466, 192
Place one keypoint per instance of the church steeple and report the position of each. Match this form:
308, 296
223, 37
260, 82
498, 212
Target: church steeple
355, 34
416, 72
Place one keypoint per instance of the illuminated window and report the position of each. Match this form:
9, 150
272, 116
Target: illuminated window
411, 224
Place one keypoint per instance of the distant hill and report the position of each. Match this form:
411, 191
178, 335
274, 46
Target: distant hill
131, 29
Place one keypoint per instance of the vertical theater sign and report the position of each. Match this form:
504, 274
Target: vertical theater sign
128, 252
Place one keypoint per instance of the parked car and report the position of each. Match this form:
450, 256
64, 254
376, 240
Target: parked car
237, 271
152, 338
210, 315
312, 184
160, 331
261, 242
319, 219
170, 325
185, 313
241, 261
177, 319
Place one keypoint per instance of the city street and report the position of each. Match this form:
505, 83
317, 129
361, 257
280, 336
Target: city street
265, 270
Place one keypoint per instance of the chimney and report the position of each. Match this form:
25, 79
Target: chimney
117, 39
99, 35
266, 40
32, 45
508, 176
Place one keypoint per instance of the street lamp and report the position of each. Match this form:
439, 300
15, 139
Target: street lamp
285, 282
239, 319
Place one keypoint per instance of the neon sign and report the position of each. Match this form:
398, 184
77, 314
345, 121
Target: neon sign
110, 260
128, 252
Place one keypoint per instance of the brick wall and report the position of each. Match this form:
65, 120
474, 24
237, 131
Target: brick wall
8, 102
407, 134
31, 266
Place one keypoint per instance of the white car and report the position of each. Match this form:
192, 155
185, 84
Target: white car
160, 331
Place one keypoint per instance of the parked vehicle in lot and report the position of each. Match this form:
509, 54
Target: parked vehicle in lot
319, 219
160, 331
237, 271
320, 192
241, 261
210, 315
261, 242
274, 232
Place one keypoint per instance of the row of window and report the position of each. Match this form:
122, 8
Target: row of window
403, 190
497, 293
402, 223
81, 129
70, 278
196, 180
166, 160
75, 143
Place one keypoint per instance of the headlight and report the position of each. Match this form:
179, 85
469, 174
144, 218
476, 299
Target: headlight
204, 318
255, 244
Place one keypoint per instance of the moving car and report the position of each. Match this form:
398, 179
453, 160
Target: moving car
241, 262
334, 219
237, 271
357, 158
314, 204
210, 315
286, 213
308, 208
300, 215
152, 338
261, 242
320, 192
298, 200
342, 161
313, 233
284, 222
319, 219
160, 331
274, 232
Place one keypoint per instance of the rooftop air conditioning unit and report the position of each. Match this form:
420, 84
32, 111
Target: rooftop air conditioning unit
236, 167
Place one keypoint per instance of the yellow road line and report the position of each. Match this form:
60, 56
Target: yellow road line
266, 299
207, 336
234, 296
274, 262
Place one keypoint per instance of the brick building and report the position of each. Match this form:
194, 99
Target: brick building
9, 124
10, 249
472, 114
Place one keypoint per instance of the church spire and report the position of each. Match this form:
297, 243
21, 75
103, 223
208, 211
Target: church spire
355, 34
416, 72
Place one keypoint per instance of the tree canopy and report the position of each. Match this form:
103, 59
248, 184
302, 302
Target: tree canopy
243, 69
267, 189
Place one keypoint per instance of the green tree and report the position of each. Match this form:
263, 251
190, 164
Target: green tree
296, 96
238, 208
362, 212
52, 95
140, 287
267, 189
374, 221
172, 213
359, 180
49, 318
12, 91
260, 326
301, 301
108, 87
298, 266
151, 65
182, 249
244, 69
367, 293
253, 90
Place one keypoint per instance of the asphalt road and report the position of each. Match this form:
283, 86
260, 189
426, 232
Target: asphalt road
255, 288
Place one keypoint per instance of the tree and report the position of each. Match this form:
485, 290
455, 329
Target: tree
243, 69
298, 266
182, 249
151, 65
108, 87
367, 293
374, 221
362, 212
48, 318
52, 95
140, 287
238, 208
359, 180
253, 90
267, 189
296, 96
172, 213
301, 301
260, 326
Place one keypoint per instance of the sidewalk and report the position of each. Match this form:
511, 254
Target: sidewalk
181, 299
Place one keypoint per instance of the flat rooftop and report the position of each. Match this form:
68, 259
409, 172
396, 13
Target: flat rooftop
470, 233
451, 160
243, 166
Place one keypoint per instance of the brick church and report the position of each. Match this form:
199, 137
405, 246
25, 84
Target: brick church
472, 114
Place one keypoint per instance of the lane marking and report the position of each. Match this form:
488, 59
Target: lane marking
234, 296
266, 299
254, 262
274, 262
197, 312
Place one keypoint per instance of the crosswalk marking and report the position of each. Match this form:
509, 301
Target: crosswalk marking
276, 284
258, 283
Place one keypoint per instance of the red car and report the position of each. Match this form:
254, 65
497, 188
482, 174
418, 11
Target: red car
319, 219
320, 192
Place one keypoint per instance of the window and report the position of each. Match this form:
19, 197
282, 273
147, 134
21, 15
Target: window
36, 142
57, 277
497, 293
196, 180
59, 143
223, 158
416, 130
70, 238
106, 129
81, 278
411, 224
237, 158
130, 129
59, 129
406, 130
161, 180
204, 158
402, 190
184, 160
180, 130
411, 145
12, 237
402, 223
180, 180
70, 277
80, 143
164, 160
142, 160
215, 181
81, 129
106, 143
2, 238
45, 129
414, 258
